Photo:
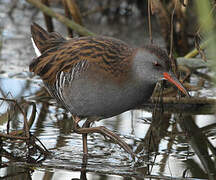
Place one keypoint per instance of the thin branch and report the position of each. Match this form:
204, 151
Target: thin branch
149, 21
195, 51
171, 31
70, 23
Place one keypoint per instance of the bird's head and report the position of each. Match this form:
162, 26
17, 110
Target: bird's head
156, 65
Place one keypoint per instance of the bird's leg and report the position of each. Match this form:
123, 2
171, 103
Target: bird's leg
106, 132
102, 130
76, 120
84, 136
83, 168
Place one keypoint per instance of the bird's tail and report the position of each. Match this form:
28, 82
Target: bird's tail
43, 40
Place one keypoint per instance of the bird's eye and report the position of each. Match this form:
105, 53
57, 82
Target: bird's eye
156, 64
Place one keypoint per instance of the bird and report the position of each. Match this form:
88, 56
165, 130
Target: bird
97, 77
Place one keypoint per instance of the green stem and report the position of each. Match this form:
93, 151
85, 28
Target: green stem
195, 51
70, 23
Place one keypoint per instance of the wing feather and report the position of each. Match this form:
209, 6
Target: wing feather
76, 54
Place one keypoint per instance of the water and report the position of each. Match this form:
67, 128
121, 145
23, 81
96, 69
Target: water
165, 147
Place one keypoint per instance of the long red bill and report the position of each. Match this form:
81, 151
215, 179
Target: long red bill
171, 78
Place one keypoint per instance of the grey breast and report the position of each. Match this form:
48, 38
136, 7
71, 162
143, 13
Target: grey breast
92, 94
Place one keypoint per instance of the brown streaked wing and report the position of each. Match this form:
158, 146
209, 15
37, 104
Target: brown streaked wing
108, 53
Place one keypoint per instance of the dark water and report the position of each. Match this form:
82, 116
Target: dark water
172, 146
